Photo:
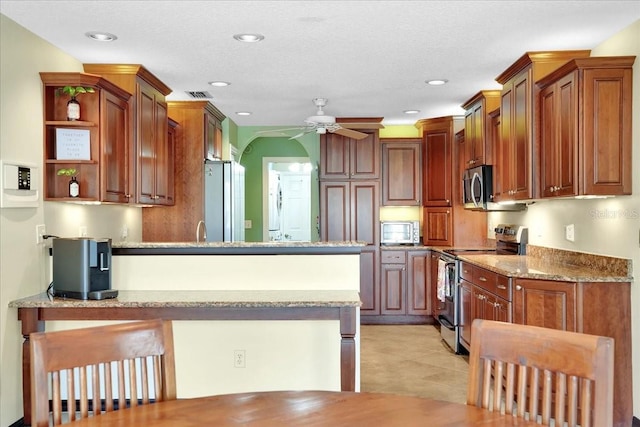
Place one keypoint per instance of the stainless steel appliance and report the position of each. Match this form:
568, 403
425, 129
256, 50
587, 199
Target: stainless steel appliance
224, 201
399, 232
82, 268
510, 240
477, 191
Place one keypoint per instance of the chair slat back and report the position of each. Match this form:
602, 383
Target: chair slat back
541, 374
133, 361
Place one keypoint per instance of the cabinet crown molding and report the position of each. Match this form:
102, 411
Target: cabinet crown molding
587, 63
547, 60
84, 79
198, 105
129, 69
483, 94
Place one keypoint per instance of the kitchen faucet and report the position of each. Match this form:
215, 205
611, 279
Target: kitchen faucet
204, 236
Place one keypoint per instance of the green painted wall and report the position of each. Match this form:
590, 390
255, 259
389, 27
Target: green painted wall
251, 159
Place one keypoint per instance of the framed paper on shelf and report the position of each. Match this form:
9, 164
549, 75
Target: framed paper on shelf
73, 144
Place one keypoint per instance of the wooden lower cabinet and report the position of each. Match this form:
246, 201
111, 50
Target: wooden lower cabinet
419, 285
484, 295
369, 281
545, 303
597, 308
404, 291
393, 288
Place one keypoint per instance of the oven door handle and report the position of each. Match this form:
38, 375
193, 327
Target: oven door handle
445, 322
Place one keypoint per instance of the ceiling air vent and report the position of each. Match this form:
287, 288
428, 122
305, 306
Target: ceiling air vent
199, 95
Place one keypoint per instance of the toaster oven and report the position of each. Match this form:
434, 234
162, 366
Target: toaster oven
399, 232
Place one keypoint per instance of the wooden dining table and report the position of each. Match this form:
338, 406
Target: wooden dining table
303, 408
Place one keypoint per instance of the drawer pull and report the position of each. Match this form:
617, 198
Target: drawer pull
503, 287
482, 279
518, 288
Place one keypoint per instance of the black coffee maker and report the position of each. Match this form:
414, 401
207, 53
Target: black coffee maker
82, 268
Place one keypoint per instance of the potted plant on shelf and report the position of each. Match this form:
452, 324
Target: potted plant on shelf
73, 106
74, 186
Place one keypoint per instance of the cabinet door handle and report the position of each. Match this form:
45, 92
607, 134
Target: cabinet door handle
482, 279
503, 287
518, 288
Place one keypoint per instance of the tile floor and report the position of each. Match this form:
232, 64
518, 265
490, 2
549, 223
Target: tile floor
411, 360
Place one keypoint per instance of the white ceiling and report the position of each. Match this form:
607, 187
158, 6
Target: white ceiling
369, 58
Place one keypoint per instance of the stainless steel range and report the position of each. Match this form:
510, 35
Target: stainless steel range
510, 240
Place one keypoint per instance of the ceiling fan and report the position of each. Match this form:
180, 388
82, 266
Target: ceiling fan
322, 123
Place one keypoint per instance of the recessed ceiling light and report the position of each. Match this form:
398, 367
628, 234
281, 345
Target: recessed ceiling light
248, 38
219, 83
411, 111
101, 36
243, 113
437, 82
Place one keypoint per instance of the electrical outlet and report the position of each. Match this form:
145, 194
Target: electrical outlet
248, 224
40, 231
239, 358
569, 232
83, 231
124, 232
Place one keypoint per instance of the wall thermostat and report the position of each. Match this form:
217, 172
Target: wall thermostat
18, 185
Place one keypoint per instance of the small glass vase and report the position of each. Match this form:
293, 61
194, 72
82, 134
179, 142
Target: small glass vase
74, 187
73, 109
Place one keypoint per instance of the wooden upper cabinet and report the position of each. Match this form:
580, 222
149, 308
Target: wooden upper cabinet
149, 130
437, 163
151, 143
585, 122
179, 223
347, 158
401, 172
349, 211
104, 173
519, 112
494, 141
477, 128
213, 132
437, 226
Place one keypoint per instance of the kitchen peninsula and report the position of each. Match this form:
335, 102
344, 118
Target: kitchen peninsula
291, 308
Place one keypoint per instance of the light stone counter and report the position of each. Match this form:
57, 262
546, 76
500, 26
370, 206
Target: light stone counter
554, 264
193, 299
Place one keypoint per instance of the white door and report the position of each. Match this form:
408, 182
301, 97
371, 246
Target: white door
296, 206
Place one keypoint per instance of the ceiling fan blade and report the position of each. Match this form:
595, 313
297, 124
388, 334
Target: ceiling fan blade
349, 133
299, 135
279, 131
361, 125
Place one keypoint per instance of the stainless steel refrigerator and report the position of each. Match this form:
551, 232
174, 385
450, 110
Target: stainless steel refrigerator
224, 201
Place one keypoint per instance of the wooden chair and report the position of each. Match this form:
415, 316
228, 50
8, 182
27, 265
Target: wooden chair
547, 373
134, 360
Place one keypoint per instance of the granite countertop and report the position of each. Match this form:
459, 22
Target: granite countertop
206, 299
530, 267
237, 248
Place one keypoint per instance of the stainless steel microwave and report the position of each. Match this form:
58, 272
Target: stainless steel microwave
399, 232
477, 191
